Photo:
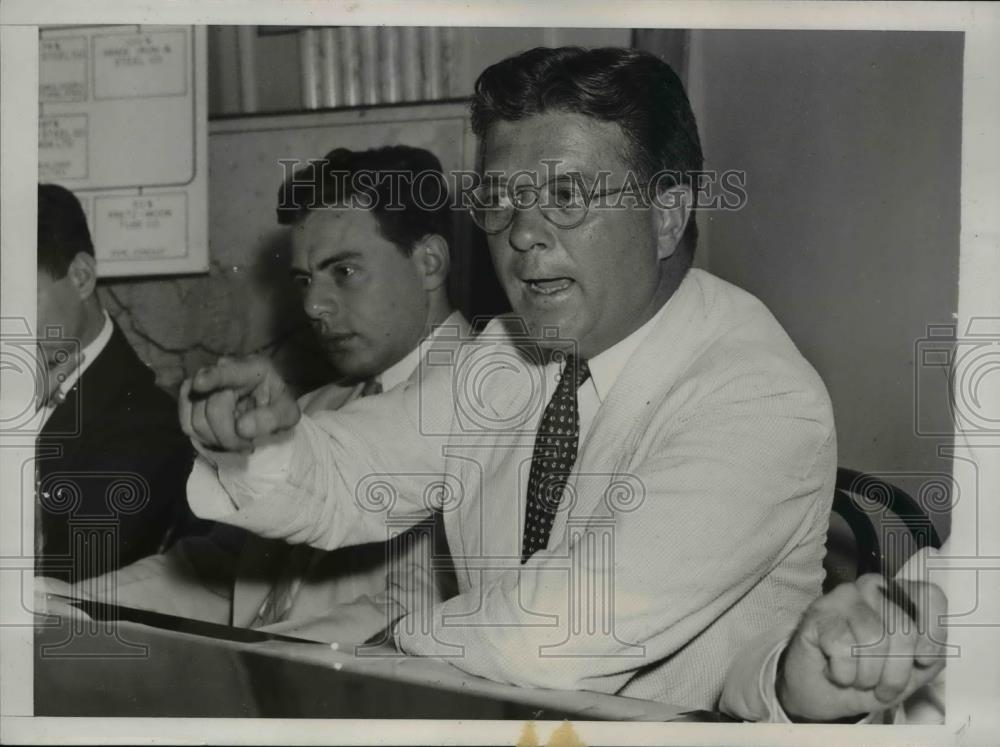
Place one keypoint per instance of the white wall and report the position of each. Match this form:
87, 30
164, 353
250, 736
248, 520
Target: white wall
851, 143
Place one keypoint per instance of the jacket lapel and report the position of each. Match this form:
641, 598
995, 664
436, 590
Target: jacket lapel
647, 378
620, 422
109, 376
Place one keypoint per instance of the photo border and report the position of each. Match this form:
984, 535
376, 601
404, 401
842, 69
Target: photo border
972, 717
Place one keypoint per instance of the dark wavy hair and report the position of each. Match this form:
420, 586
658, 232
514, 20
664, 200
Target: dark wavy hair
62, 230
630, 87
400, 184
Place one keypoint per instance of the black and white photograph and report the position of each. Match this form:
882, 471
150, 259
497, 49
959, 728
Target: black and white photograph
570, 375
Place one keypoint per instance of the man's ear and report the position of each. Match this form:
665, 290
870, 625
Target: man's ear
671, 209
433, 259
82, 273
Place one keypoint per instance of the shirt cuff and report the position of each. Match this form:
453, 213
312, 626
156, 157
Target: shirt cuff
767, 687
222, 482
270, 454
768, 690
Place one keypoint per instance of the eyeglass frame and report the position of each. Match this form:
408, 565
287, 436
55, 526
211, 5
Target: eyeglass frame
536, 191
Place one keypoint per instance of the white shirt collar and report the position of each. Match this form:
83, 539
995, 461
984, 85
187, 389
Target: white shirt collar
606, 367
87, 356
401, 370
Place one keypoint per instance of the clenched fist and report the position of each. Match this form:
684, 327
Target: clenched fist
233, 404
855, 652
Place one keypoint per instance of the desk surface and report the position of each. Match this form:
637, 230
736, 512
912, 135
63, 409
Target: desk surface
87, 667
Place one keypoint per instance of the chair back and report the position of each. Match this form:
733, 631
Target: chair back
873, 510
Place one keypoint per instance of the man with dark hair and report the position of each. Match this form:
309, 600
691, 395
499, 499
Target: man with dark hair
371, 257
660, 139
389, 317
112, 462
644, 461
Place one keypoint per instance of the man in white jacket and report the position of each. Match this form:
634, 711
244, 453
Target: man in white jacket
638, 467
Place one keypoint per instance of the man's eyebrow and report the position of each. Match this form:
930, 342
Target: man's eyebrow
327, 261
587, 177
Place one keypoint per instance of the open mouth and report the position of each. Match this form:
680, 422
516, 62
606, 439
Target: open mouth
549, 286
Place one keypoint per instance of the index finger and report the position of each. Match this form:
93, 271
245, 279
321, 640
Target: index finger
240, 376
267, 420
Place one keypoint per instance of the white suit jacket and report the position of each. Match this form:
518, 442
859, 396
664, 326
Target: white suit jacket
225, 576
695, 517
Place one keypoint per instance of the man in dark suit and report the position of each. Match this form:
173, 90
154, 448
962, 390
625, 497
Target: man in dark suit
111, 460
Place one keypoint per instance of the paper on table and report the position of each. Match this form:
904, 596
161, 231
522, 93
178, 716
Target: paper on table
131, 662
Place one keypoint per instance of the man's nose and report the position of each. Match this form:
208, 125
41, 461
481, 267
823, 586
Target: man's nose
530, 230
320, 302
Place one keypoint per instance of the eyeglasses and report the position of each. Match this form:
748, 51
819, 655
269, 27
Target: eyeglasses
563, 201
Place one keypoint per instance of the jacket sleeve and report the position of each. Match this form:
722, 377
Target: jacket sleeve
337, 477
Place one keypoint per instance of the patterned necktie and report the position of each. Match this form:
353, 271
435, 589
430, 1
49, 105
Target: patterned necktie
552, 461
297, 561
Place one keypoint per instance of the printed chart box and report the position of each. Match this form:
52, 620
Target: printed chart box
63, 146
150, 226
140, 65
63, 69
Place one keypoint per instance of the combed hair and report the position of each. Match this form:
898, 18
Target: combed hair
407, 206
633, 88
62, 230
